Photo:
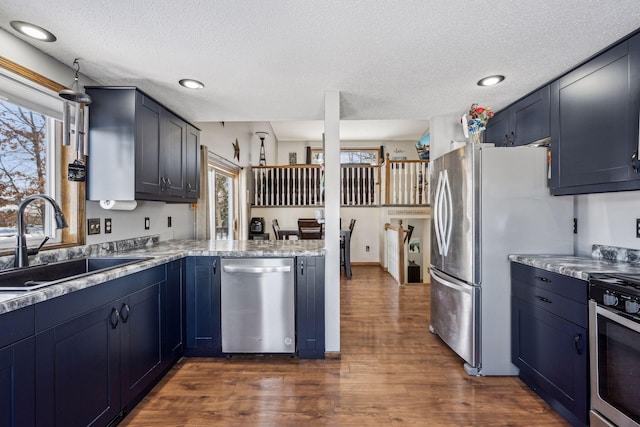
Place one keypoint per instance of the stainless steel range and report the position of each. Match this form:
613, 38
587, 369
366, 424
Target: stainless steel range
614, 339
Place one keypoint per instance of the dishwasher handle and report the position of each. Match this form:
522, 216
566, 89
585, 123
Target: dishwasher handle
257, 270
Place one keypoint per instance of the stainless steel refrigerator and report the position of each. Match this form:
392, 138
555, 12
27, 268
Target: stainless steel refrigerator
488, 202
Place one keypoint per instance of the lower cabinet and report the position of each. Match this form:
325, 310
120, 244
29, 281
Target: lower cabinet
202, 307
549, 338
97, 363
310, 307
17, 384
173, 323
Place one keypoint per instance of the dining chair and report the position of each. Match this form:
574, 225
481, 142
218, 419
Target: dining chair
309, 228
276, 229
345, 255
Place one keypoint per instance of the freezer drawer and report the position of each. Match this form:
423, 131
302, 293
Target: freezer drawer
258, 305
455, 316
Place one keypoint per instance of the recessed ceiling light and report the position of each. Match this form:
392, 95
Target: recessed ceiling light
191, 84
490, 81
33, 31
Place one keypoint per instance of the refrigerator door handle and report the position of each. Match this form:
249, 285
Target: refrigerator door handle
443, 216
453, 284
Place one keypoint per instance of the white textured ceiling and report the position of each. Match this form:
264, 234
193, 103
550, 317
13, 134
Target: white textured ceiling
273, 60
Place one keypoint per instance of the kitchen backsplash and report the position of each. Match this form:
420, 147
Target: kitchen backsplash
84, 251
613, 253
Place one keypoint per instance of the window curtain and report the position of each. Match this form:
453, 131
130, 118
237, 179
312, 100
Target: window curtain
203, 210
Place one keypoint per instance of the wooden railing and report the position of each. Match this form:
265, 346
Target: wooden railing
397, 182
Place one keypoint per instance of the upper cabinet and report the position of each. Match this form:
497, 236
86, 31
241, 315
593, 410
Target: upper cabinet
594, 123
523, 122
139, 150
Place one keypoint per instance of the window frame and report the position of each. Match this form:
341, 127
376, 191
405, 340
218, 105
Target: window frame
376, 151
70, 195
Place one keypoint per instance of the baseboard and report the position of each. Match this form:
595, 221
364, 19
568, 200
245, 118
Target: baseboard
366, 263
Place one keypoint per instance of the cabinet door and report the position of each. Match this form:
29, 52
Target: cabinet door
78, 370
141, 338
203, 337
594, 123
552, 356
193, 163
529, 118
173, 148
498, 129
173, 308
17, 384
147, 145
310, 307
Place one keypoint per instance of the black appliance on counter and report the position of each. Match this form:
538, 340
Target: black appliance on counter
614, 340
256, 229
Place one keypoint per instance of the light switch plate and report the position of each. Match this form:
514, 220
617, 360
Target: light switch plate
93, 226
107, 225
147, 223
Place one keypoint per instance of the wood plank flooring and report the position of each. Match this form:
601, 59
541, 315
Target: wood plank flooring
393, 372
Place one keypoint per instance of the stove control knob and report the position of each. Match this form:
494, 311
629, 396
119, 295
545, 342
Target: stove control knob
631, 307
610, 300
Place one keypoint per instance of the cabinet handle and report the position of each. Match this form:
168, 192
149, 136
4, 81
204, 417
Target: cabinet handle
512, 138
543, 279
302, 268
214, 266
505, 140
578, 343
189, 186
543, 299
124, 312
113, 319
634, 162
168, 182
163, 183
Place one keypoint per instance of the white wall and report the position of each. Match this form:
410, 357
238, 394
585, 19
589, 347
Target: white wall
220, 138
608, 219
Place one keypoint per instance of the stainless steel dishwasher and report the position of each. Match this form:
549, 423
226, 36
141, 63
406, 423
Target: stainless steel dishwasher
258, 305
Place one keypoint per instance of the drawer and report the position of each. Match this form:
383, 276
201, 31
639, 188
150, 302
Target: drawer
569, 287
559, 305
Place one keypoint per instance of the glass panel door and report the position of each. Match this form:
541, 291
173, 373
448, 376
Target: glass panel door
222, 200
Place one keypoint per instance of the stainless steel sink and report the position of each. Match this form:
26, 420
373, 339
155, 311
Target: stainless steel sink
38, 276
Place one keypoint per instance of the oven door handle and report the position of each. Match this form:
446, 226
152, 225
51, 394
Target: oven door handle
578, 343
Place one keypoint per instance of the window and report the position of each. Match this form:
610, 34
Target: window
358, 156
32, 160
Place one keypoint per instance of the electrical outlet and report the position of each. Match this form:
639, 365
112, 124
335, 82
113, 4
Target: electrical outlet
366, 248
93, 226
107, 226
169, 221
147, 223
638, 228
575, 225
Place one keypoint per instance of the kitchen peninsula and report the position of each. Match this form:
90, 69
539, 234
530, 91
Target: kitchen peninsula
89, 348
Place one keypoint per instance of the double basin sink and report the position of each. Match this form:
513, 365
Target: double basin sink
39, 276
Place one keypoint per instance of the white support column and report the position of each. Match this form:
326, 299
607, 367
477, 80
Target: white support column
332, 220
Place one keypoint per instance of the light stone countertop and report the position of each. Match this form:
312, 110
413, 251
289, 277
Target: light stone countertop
579, 267
159, 253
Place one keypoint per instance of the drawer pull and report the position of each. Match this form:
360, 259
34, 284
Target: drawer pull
543, 279
543, 299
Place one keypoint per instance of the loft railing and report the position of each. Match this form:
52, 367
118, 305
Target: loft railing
396, 182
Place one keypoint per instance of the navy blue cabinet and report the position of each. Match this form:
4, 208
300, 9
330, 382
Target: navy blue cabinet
17, 384
549, 319
98, 350
202, 308
140, 342
523, 122
173, 324
594, 123
310, 307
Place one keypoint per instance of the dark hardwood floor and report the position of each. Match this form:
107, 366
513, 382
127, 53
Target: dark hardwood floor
392, 372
